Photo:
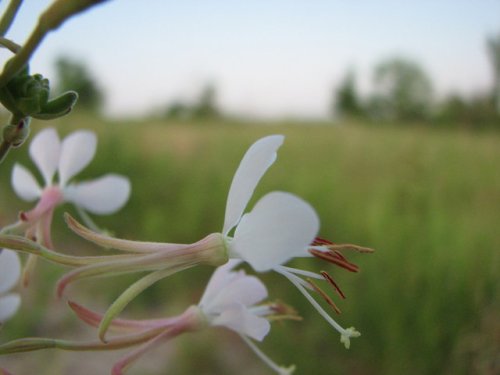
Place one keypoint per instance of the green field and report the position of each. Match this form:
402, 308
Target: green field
428, 201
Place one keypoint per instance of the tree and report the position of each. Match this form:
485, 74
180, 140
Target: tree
403, 91
346, 98
452, 110
206, 106
178, 111
493, 44
74, 75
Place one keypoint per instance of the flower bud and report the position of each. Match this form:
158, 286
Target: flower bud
16, 134
28, 95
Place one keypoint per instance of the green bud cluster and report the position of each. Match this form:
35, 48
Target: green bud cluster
28, 95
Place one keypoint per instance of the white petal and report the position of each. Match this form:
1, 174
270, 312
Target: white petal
44, 150
259, 157
241, 320
221, 277
24, 184
77, 150
10, 269
104, 195
8, 306
280, 227
244, 290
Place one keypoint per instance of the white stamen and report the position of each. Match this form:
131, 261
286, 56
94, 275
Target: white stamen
268, 361
345, 334
297, 271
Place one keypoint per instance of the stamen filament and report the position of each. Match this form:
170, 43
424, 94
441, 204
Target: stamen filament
348, 246
331, 257
313, 302
333, 283
268, 361
318, 241
305, 273
297, 279
325, 296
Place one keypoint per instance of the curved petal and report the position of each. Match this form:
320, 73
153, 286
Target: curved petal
45, 150
259, 157
280, 227
104, 195
245, 290
77, 150
10, 269
8, 306
221, 277
240, 319
24, 184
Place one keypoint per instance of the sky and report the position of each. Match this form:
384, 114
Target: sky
267, 58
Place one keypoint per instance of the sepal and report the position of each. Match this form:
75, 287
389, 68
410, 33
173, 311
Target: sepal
58, 107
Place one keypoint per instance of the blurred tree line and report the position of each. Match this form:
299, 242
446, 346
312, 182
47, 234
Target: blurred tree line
73, 74
403, 93
205, 107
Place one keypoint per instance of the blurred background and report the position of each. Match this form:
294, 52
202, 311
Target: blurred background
391, 114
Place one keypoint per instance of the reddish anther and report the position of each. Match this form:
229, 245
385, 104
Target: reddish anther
332, 257
333, 283
325, 296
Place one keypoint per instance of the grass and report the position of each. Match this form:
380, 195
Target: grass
427, 200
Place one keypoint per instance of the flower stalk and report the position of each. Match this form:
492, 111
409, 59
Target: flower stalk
230, 300
53, 17
9, 16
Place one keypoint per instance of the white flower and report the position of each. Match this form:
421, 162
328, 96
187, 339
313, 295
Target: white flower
104, 195
229, 301
280, 227
10, 271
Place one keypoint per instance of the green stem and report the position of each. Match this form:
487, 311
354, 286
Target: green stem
9, 15
87, 220
4, 150
51, 19
33, 344
128, 295
22, 57
9, 44
17, 228
27, 246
